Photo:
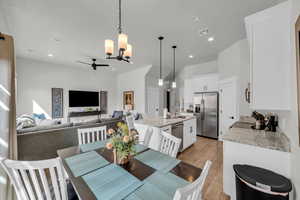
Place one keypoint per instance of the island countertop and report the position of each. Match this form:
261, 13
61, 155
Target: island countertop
160, 122
271, 140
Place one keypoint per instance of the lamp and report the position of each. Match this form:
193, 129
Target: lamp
174, 82
160, 80
124, 49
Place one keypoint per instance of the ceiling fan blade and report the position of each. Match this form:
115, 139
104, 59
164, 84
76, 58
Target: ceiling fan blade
102, 65
85, 63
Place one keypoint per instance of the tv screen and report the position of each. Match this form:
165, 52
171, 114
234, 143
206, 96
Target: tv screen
83, 98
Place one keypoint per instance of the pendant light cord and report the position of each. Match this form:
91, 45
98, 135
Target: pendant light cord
120, 18
160, 62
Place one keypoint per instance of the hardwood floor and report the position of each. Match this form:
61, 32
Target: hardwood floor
208, 149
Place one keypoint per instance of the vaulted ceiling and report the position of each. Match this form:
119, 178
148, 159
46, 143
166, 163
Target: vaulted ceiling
75, 29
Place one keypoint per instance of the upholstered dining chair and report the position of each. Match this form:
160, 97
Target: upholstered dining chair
89, 135
145, 133
169, 144
193, 191
34, 180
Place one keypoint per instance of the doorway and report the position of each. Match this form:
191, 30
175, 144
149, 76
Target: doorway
228, 104
168, 100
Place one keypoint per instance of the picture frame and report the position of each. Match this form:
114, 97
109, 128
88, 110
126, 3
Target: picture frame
128, 100
57, 103
297, 28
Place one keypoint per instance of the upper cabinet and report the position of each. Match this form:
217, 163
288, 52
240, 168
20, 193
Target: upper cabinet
269, 38
204, 83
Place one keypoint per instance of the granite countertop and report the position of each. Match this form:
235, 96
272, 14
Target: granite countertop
241, 133
160, 122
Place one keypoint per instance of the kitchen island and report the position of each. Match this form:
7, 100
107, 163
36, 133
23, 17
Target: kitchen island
244, 145
183, 127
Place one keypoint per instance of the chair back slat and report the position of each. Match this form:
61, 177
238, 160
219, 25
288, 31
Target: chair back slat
89, 135
169, 144
31, 182
62, 181
19, 184
193, 191
45, 183
54, 183
36, 184
27, 184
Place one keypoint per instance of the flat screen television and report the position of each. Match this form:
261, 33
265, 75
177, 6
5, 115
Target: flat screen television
83, 98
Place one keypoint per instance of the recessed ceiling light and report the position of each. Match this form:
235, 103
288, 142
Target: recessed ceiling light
196, 19
203, 32
191, 56
211, 39
50, 55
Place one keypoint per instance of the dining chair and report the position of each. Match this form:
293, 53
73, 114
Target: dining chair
89, 135
130, 121
30, 181
193, 191
169, 144
145, 133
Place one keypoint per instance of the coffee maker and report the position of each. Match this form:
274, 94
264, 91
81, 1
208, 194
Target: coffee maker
272, 122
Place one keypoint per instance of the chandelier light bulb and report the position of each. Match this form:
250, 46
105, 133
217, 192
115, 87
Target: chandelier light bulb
128, 52
109, 47
122, 41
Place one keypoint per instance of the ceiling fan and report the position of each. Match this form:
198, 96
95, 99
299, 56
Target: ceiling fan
94, 65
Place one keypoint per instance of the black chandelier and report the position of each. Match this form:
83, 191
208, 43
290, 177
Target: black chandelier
124, 49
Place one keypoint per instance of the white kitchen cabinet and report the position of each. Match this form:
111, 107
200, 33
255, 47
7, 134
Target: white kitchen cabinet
203, 83
189, 133
269, 37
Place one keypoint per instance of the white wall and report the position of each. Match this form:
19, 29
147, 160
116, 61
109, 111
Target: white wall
235, 61
134, 80
35, 80
200, 69
191, 77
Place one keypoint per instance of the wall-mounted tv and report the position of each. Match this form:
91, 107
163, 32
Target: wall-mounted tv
83, 98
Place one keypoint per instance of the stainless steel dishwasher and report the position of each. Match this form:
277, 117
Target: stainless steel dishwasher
177, 131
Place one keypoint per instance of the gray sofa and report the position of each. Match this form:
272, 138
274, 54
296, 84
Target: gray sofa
43, 143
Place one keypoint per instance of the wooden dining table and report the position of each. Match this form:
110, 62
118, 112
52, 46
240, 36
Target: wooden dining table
135, 167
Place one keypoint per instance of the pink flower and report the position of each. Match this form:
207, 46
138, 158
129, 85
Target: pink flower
109, 145
126, 139
110, 131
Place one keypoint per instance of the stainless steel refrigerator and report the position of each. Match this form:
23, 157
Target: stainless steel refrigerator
206, 109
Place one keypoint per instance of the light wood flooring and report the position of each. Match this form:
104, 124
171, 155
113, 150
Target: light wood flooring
208, 149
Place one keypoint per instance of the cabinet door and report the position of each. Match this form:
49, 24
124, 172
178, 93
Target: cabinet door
270, 58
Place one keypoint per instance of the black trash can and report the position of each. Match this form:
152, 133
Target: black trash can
254, 183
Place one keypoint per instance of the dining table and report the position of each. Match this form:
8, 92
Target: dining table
148, 174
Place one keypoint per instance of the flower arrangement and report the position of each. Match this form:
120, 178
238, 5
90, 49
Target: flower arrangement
122, 142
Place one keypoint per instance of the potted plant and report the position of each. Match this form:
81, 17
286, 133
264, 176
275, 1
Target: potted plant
122, 142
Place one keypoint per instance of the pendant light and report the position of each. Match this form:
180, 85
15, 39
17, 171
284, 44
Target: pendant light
124, 49
174, 82
160, 80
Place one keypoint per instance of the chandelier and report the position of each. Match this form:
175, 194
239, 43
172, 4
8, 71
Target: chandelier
124, 49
